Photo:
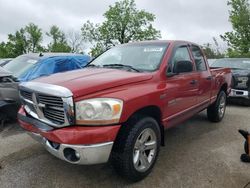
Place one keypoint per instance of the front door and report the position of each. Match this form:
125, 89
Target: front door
182, 89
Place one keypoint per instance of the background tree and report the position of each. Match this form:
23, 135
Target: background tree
75, 41
238, 40
59, 42
123, 23
25, 40
17, 43
213, 51
34, 37
4, 51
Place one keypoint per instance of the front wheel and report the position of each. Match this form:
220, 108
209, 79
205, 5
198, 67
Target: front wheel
216, 111
136, 148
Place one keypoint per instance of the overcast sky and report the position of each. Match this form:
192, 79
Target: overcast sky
193, 20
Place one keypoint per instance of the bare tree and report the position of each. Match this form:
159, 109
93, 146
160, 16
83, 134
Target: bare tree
75, 41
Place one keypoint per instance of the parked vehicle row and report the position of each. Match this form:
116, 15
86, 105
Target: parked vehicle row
240, 78
119, 106
29, 67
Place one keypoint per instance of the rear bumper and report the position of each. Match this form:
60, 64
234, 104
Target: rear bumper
239, 93
74, 144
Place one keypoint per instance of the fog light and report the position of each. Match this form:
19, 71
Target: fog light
77, 154
71, 155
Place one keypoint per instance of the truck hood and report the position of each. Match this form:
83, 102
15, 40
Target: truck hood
91, 80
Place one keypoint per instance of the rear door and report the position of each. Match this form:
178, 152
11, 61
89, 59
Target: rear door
182, 89
205, 77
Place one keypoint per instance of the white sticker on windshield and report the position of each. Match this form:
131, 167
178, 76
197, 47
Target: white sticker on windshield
248, 62
153, 49
32, 61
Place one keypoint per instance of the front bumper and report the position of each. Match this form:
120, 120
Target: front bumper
77, 154
74, 144
239, 93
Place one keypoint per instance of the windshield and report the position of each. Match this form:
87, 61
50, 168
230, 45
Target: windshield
20, 65
143, 57
233, 63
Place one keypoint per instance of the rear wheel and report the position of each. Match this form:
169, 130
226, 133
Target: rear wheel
216, 111
136, 148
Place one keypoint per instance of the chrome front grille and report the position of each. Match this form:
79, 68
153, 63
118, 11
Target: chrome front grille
54, 110
27, 95
56, 116
50, 100
241, 82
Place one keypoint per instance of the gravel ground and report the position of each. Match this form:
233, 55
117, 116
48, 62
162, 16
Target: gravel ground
197, 154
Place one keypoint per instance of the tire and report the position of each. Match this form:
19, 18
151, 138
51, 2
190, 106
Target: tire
216, 111
130, 157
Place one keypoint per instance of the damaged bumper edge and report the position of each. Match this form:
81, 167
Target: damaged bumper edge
74, 144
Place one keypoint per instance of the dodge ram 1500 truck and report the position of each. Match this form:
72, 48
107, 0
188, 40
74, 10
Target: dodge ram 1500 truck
118, 108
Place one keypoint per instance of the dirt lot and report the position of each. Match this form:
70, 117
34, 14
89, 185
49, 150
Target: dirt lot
197, 154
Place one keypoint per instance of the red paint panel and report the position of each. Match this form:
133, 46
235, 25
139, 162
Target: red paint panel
82, 135
28, 127
77, 135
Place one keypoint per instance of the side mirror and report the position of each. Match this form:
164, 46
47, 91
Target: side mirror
183, 66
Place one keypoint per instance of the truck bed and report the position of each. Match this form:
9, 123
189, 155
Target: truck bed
220, 75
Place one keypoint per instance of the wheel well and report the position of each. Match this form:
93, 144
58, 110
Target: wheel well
154, 112
224, 88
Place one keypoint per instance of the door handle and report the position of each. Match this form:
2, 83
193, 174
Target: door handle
209, 78
193, 82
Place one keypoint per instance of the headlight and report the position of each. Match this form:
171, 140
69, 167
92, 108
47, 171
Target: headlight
99, 111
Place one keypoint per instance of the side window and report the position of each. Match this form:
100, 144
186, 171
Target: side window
181, 54
199, 58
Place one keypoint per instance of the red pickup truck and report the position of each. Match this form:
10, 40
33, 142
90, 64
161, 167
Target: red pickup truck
118, 108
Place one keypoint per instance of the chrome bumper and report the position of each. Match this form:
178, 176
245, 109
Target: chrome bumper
239, 93
77, 154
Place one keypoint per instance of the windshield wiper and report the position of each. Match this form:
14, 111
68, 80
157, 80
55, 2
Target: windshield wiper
122, 66
92, 65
